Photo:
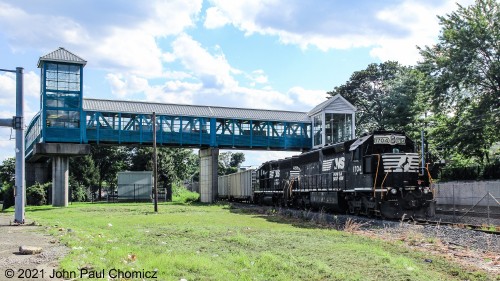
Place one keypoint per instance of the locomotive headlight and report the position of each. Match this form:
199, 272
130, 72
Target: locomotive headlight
394, 191
426, 190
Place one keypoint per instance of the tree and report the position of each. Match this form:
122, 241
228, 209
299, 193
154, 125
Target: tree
174, 164
108, 161
7, 178
465, 70
83, 178
386, 96
8, 170
83, 171
229, 162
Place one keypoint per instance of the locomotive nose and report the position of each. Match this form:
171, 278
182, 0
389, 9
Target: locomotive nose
413, 203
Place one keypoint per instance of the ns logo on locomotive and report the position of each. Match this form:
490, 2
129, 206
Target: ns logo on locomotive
376, 174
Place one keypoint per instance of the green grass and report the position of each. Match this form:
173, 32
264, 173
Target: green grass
202, 242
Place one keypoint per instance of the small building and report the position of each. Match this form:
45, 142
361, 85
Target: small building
135, 186
333, 121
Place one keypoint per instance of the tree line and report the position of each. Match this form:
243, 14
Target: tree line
91, 175
453, 93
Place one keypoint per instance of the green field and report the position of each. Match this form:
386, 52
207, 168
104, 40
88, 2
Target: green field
216, 242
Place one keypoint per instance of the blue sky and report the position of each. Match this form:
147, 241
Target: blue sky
275, 54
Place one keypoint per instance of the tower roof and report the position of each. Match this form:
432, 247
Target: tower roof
336, 103
61, 55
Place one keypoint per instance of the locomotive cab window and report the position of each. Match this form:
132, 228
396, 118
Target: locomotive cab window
367, 165
356, 154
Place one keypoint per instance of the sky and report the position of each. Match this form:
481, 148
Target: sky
268, 54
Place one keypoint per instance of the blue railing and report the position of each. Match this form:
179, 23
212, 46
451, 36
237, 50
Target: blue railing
33, 134
127, 129
195, 131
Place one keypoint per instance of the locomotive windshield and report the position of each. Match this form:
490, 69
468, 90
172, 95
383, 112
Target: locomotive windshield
384, 148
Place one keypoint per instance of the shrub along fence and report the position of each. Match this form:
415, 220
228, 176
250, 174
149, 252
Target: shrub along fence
472, 172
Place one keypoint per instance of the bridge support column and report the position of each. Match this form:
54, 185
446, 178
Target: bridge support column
209, 163
60, 177
60, 153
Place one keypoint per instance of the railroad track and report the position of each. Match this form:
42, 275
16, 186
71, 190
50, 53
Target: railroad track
458, 213
481, 228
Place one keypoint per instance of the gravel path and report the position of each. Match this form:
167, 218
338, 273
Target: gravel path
13, 236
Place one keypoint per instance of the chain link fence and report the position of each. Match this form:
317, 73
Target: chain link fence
137, 193
474, 202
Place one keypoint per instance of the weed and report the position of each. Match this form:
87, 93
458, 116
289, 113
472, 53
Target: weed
352, 226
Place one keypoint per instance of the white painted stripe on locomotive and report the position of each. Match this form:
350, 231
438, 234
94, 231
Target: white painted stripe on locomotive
327, 165
394, 162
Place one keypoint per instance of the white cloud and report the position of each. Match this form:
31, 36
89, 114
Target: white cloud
172, 91
176, 92
421, 22
123, 87
258, 77
391, 32
309, 98
31, 90
213, 81
215, 18
214, 71
118, 41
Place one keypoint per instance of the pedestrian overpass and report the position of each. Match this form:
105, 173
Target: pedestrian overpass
67, 124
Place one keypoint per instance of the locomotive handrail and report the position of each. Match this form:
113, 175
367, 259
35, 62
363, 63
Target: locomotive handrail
428, 173
386, 173
376, 177
430, 179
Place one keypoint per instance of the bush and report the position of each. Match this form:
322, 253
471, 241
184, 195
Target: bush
8, 195
473, 172
37, 194
79, 193
182, 195
461, 173
492, 171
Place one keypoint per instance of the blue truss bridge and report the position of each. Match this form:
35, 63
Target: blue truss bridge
127, 122
65, 116
67, 123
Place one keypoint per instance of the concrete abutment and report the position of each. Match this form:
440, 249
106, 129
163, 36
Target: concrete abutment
209, 163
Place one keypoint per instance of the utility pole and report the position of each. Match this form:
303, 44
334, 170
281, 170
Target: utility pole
17, 122
155, 165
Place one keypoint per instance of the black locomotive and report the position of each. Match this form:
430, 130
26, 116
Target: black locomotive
376, 174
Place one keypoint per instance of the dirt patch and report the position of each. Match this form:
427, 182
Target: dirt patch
13, 236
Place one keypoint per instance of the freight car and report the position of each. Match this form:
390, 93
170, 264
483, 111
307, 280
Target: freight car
376, 174
237, 186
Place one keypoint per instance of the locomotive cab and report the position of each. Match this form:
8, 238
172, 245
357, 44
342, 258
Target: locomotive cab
385, 177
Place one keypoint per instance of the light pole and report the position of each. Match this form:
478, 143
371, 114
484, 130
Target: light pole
17, 122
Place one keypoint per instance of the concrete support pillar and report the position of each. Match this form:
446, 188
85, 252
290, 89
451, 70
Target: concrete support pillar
209, 163
60, 178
